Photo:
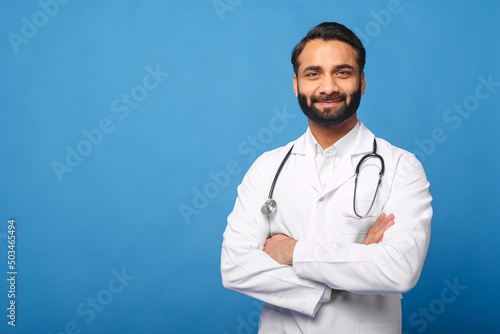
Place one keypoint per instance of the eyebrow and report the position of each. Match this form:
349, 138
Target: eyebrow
311, 68
317, 67
342, 66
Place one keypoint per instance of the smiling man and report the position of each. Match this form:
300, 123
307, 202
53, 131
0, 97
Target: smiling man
346, 225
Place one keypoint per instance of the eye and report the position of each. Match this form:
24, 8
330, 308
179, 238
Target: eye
343, 74
311, 75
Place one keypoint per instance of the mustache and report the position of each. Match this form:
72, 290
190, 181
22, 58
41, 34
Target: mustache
331, 97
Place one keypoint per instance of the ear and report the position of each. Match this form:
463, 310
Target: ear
362, 84
295, 86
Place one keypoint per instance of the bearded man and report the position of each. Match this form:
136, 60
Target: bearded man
346, 220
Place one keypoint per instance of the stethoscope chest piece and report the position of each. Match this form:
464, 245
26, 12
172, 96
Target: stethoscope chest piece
268, 207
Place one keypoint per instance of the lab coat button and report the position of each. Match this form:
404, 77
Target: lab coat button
321, 199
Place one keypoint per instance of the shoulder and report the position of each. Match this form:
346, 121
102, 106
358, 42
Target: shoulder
271, 158
265, 166
403, 161
263, 170
394, 157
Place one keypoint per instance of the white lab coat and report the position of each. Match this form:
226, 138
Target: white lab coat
329, 253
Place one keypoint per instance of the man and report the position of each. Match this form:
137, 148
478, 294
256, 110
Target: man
339, 250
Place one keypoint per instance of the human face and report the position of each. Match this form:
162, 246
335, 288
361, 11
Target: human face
328, 84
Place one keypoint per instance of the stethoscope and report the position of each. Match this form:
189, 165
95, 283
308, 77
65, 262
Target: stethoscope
270, 205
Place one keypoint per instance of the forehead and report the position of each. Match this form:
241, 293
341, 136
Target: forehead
327, 54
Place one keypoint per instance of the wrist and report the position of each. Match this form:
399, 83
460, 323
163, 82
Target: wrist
293, 242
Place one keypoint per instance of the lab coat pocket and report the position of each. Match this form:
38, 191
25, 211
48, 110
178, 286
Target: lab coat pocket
354, 229
378, 328
271, 321
356, 238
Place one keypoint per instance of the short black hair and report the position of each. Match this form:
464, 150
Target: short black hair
331, 31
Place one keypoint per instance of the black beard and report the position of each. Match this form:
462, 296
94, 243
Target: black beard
329, 117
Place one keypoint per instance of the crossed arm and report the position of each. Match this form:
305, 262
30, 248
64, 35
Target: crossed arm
388, 267
280, 246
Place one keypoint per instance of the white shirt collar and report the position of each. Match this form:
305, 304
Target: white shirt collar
340, 148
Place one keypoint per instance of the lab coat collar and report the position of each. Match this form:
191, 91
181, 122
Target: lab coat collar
340, 148
307, 167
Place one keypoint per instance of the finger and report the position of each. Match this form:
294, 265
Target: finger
266, 247
383, 216
379, 230
380, 218
382, 222
386, 224
380, 233
390, 222
380, 225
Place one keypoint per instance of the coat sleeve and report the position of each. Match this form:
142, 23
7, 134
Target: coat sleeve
246, 268
391, 266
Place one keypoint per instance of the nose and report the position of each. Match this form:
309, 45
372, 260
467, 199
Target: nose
328, 85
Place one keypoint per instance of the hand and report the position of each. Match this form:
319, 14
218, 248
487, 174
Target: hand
280, 247
375, 235
376, 231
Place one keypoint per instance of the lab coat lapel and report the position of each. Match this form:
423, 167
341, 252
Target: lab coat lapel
347, 165
342, 174
306, 165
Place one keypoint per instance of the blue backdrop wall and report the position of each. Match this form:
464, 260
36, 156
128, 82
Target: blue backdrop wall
126, 127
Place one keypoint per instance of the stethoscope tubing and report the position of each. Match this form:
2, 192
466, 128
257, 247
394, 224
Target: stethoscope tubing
279, 171
374, 154
270, 205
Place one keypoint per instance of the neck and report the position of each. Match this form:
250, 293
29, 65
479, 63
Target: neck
326, 136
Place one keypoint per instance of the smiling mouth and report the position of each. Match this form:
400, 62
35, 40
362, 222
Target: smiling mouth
329, 103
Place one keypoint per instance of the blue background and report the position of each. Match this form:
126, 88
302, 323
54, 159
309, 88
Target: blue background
118, 211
